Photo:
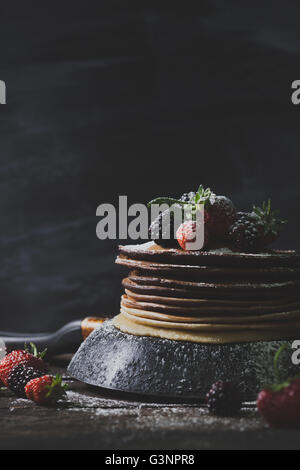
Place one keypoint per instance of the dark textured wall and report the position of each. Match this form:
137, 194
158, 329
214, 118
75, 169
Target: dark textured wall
112, 97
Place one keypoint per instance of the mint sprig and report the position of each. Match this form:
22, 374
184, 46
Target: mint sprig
202, 197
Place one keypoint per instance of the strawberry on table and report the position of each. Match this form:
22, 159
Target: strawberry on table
21, 357
279, 404
281, 407
46, 390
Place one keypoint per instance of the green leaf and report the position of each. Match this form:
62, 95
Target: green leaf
42, 354
57, 390
197, 198
167, 200
32, 349
268, 218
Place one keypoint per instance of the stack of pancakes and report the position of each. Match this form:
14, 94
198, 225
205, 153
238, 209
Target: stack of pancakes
214, 296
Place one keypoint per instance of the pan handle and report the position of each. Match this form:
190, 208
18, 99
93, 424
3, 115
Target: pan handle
65, 340
89, 324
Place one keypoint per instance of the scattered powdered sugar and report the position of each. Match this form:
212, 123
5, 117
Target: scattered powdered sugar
82, 400
152, 247
117, 412
19, 403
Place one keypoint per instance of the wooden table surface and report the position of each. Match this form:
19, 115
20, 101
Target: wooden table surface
96, 420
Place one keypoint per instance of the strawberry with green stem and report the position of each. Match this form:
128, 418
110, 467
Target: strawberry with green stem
279, 403
46, 390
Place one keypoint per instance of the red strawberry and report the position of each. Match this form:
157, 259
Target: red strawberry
23, 357
186, 233
279, 404
221, 215
281, 408
46, 390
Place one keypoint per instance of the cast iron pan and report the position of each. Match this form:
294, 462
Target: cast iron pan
162, 368
154, 367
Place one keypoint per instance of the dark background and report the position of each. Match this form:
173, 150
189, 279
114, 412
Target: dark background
110, 97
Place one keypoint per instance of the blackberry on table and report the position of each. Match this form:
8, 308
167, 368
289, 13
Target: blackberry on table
19, 376
224, 399
246, 232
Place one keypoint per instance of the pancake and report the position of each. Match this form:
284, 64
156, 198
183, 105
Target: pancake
218, 290
178, 271
222, 319
128, 326
224, 311
292, 320
173, 301
196, 285
215, 257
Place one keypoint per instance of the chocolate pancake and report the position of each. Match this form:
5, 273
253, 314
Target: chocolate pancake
192, 284
244, 320
207, 302
224, 311
245, 291
195, 273
215, 257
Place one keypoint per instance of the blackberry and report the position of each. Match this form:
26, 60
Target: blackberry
224, 399
246, 232
187, 197
162, 230
19, 376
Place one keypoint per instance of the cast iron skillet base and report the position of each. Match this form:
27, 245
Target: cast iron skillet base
162, 368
